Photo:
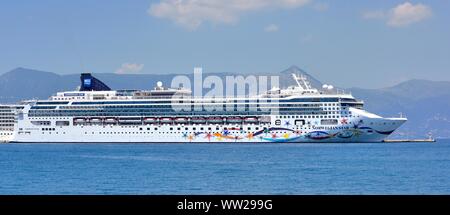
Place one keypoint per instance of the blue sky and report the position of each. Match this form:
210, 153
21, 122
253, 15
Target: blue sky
368, 44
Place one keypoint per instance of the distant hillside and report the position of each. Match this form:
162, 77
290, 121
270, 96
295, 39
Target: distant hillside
21, 83
425, 103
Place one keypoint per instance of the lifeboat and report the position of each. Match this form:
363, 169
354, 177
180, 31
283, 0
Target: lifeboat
110, 120
165, 120
215, 119
95, 120
181, 120
150, 120
234, 119
265, 119
198, 120
79, 120
133, 120
250, 119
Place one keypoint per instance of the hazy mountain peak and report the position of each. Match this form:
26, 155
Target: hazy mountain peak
286, 76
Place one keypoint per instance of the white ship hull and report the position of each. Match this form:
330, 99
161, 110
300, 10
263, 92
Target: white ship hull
6, 137
370, 130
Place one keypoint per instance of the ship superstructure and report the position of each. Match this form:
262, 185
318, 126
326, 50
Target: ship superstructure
96, 113
8, 121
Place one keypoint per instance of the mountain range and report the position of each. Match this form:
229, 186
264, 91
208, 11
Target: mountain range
425, 103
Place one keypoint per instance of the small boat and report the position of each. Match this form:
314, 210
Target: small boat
95, 120
250, 119
130, 120
150, 120
215, 119
165, 120
181, 120
79, 120
198, 120
235, 119
110, 120
265, 119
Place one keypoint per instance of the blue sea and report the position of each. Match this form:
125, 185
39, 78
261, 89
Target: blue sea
378, 168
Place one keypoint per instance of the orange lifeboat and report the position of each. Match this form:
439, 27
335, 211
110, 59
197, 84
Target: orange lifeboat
198, 120
96, 120
215, 120
251, 119
165, 120
234, 119
110, 120
181, 120
150, 120
79, 120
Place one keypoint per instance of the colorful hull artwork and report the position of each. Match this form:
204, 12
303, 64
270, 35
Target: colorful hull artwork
270, 135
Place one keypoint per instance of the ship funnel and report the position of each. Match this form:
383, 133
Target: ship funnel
90, 83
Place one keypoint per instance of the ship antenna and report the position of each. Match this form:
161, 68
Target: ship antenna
304, 80
296, 78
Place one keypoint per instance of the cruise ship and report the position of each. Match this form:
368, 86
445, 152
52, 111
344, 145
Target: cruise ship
95, 113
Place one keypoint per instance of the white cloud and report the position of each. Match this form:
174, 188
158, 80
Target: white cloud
402, 15
271, 28
193, 13
407, 13
130, 68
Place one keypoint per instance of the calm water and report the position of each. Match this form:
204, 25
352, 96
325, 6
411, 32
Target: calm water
402, 168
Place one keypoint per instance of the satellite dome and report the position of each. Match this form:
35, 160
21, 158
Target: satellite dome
159, 84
